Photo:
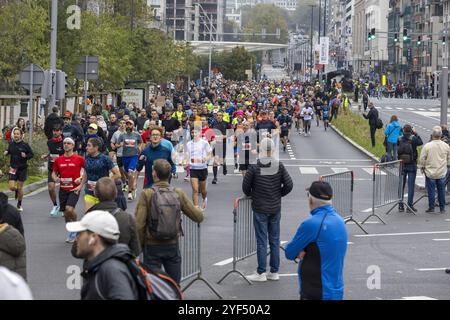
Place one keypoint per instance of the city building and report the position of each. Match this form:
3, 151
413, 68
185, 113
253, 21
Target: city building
370, 56
186, 21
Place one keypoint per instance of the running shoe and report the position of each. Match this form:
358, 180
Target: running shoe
19, 208
71, 237
214, 181
186, 178
130, 197
205, 203
134, 194
55, 212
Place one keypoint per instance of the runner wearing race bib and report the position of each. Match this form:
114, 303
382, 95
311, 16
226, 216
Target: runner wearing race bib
130, 142
67, 171
98, 166
55, 149
198, 153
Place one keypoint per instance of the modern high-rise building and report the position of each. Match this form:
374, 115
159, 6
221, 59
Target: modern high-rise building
190, 20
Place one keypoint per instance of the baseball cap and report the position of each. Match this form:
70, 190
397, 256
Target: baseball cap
93, 126
321, 190
67, 114
130, 121
13, 286
99, 222
240, 112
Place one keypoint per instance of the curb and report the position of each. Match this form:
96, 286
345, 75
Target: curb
367, 153
357, 146
29, 188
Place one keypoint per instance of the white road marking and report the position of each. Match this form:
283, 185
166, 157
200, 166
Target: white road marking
230, 260
308, 170
367, 222
339, 170
441, 239
367, 210
411, 109
428, 114
350, 243
399, 108
388, 108
417, 298
400, 234
431, 269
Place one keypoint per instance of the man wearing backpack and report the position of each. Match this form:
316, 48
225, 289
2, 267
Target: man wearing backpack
158, 220
105, 275
407, 152
372, 116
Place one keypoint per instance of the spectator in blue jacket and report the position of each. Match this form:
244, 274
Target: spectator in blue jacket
320, 244
392, 132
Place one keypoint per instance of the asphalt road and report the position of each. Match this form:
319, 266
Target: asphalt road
396, 256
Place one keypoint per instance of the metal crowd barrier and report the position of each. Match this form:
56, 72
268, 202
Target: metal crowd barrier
387, 181
244, 239
190, 247
436, 203
342, 184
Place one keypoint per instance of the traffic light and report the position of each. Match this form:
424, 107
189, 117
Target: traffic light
419, 40
405, 34
369, 36
395, 37
61, 85
443, 41
372, 33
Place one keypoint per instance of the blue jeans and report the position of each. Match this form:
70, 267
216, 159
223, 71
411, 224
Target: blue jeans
267, 227
431, 185
391, 151
409, 172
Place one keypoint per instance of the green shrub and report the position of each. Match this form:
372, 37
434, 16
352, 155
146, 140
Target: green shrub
36, 166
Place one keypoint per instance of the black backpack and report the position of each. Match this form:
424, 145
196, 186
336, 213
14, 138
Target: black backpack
379, 123
164, 220
405, 150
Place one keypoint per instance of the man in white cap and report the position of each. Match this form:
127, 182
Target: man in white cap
67, 172
105, 275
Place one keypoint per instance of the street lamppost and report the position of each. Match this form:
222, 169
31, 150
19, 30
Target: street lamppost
311, 41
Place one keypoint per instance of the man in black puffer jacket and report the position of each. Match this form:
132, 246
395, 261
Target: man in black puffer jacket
267, 182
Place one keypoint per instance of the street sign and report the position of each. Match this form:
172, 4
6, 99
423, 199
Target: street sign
88, 69
324, 50
31, 77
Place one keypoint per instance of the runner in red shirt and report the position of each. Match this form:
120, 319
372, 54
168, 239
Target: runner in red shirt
67, 172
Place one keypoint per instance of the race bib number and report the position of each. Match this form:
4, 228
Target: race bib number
196, 160
91, 185
66, 182
130, 143
12, 171
246, 146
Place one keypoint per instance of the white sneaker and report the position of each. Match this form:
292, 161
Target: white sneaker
130, 197
256, 277
205, 203
134, 194
55, 212
186, 179
273, 276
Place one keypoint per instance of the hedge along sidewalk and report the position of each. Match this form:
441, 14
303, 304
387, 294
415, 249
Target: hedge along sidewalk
33, 183
355, 129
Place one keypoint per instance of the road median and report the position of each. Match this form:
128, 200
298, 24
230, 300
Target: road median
355, 129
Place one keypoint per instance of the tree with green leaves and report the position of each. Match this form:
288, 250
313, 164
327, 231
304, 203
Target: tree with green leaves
269, 17
24, 38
